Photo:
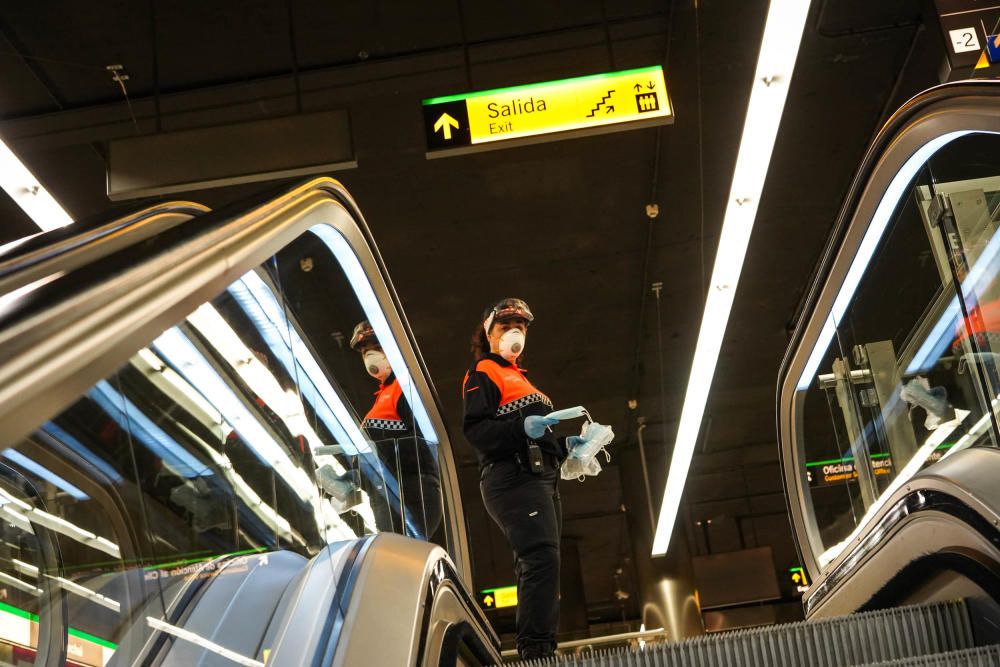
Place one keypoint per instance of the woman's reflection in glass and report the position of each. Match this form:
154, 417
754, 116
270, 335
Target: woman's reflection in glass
404, 485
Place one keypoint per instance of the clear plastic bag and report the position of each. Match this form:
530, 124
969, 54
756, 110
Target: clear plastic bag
582, 460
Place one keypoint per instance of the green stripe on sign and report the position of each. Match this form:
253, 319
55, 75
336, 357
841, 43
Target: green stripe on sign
91, 638
18, 612
828, 462
501, 588
527, 86
21, 613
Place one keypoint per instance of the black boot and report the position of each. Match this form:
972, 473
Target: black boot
536, 651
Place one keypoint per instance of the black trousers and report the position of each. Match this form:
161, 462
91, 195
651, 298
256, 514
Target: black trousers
528, 510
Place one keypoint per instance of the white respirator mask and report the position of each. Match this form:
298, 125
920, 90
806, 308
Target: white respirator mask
377, 365
512, 344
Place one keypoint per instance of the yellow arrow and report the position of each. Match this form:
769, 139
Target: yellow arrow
446, 122
489, 598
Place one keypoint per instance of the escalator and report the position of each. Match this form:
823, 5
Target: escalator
184, 479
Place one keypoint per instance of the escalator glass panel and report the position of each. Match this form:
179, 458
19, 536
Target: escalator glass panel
235, 434
909, 374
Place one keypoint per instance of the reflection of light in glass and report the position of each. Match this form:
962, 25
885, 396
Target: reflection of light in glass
982, 273
10, 298
937, 341
284, 403
916, 462
134, 421
261, 381
262, 307
20, 585
180, 392
21, 514
40, 471
54, 431
373, 311
201, 642
179, 351
869, 244
67, 585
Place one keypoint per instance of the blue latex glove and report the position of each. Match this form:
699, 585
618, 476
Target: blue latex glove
534, 426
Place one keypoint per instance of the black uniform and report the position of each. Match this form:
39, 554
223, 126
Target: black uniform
524, 504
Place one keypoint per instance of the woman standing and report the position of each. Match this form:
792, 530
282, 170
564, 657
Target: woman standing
519, 459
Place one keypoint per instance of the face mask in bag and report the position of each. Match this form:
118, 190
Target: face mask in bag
512, 344
377, 365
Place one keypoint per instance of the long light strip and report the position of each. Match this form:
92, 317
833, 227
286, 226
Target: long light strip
778, 50
28, 192
68, 585
257, 300
181, 393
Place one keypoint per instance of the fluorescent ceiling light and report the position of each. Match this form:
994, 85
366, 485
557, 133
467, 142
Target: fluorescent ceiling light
775, 63
28, 192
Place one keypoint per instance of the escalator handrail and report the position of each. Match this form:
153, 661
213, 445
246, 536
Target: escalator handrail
87, 239
75, 330
911, 112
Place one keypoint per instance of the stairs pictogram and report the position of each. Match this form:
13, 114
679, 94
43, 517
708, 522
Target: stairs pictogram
604, 100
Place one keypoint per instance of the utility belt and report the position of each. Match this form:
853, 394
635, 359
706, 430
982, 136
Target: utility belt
535, 462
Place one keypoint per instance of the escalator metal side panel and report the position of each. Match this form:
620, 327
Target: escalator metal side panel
236, 608
313, 620
448, 623
944, 520
391, 619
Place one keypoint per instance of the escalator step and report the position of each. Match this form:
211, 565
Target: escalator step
984, 656
903, 633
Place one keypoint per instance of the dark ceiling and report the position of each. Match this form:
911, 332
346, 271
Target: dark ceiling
560, 224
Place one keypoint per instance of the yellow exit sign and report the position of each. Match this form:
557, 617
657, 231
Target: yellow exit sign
547, 111
498, 598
